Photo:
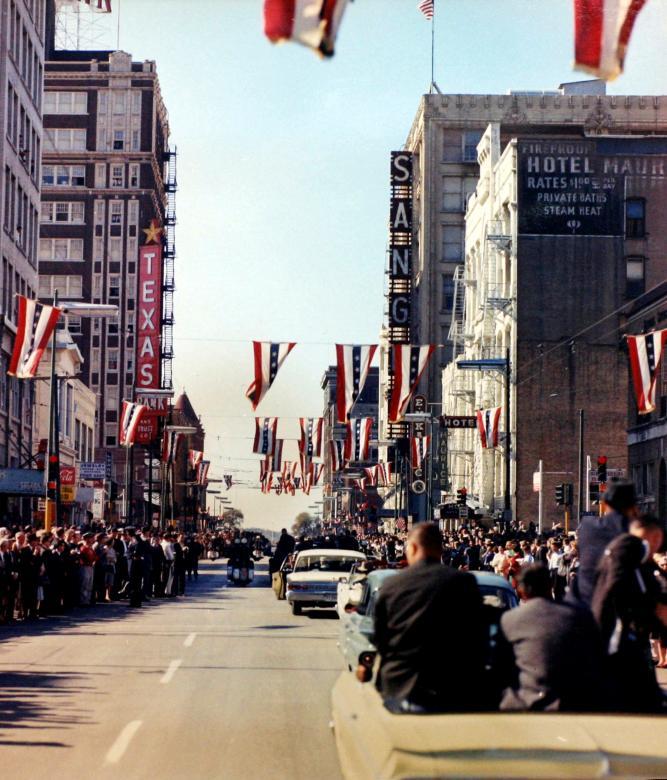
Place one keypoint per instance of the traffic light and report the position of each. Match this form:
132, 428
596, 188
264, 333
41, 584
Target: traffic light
462, 497
602, 469
560, 494
568, 494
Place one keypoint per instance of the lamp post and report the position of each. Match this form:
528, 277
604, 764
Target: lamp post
80, 309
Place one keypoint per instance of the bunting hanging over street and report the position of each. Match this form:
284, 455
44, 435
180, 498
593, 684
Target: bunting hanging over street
194, 458
202, 472
487, 424
352, 365
409, 362
130, 417
310, 443
268, 358
358, 439
645, 359
602, 30
34, 327
266, 429
312, 23
419, 450
274, 461
171, 441
101, 5
337, 454
265, 475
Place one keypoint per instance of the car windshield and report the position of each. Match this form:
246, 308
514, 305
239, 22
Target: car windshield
323, 563
498, 597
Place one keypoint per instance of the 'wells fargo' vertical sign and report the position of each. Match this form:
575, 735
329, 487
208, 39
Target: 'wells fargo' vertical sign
149, 319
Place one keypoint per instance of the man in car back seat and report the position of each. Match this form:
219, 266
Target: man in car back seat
428, 621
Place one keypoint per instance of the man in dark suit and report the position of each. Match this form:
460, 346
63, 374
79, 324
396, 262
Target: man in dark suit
429, 632
595, 533
629, 603
553, 652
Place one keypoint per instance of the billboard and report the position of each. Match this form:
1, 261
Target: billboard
149, 325
569, 188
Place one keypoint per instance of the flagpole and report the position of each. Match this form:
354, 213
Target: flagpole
52, 506
432, 50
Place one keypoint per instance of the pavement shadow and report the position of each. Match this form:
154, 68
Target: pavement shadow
44, 701
322, 614
209, 585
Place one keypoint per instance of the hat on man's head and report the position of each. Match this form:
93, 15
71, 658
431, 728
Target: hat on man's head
620, 495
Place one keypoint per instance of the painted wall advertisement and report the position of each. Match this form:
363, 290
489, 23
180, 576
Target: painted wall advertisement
149, 324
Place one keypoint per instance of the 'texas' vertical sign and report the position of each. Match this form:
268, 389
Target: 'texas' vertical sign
149, 319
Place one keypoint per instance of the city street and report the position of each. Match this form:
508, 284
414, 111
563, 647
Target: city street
222, 683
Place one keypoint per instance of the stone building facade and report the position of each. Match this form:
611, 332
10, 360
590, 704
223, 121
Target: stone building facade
105, 178
22, 37
562, 233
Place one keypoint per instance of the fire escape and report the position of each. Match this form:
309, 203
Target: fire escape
168, 285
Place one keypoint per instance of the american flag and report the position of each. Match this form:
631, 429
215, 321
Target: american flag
35, 325
427, 7
101, 5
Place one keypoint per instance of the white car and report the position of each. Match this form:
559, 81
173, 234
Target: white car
314, 580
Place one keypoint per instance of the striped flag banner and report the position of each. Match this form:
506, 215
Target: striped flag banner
268, 358
358, 438
427, 7
312, 23
194, 458
602, 30
488, 421
353, 362
645, 358
419, 448
130, 417
101, 5
35, 325
266, 429
409, 362
310, 443
171, 441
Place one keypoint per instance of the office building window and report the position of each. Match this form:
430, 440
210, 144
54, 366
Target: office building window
470, 140
116, 209
118, 140
68, 285
118, 102
61, 249
64, 140
452, 243
635, 282
114, 289
73, 324
117, 175
447, 293
64, 175
71, 212
101, 175
65, 102
635, 218
134, 175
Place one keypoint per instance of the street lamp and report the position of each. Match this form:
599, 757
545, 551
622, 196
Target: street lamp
80, 309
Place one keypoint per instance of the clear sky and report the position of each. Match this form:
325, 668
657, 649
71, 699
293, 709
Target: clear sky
283, 179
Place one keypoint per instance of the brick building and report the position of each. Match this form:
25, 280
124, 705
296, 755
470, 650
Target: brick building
107, 173
561, 234
22, 37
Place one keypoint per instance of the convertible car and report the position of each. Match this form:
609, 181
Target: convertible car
374, 744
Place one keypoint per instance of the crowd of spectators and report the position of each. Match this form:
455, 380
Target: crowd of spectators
51, 572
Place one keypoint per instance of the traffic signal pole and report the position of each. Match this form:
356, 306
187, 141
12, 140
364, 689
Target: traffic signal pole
583, 478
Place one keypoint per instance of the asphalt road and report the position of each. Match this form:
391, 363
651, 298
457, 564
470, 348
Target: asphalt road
223, 683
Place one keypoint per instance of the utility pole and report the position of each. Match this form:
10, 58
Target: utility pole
508, 497
583, 481
540, 500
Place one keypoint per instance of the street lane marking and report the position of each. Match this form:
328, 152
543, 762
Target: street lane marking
117, 750
171, 671
189, 640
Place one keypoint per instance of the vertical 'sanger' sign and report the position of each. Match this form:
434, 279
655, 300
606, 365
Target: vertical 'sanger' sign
149, 316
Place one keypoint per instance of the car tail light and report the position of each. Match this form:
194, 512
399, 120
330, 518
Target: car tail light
296, 586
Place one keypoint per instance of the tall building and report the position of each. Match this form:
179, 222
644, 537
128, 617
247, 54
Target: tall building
108, 174
21, 71
444, 137
563, 232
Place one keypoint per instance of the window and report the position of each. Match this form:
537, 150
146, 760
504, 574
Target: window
447, 293
117, 175
101, 175
134, 175
635, 282
112, 360
118, 140
64, 175
115, 249
136, 101
470, 140
61, 249
62, 211
635, 218
114, 290
451, 194
65, 140
117, 212
73, 324
68, 286
65, 102
136, 141
452, 243
118, 102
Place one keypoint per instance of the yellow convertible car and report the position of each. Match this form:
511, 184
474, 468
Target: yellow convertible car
374, 744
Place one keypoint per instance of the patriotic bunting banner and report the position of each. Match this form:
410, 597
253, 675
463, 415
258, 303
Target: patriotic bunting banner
645, 358
312, 23
266, 429
487, 424
194, 458
265, 476
409, 362
383, 472
101, 5
352, 365
371, 475
427, 7
317, 469
269, 357
171, 441
202, 472
358, 439
35, 326
419, 449
337, 454
130, 418
310, 444
274, 461
602, 30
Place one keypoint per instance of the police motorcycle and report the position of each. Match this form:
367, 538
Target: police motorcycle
240, 567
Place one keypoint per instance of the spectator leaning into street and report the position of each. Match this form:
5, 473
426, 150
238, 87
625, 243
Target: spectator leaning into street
428, 622
629, 602
595, 533
551, 653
